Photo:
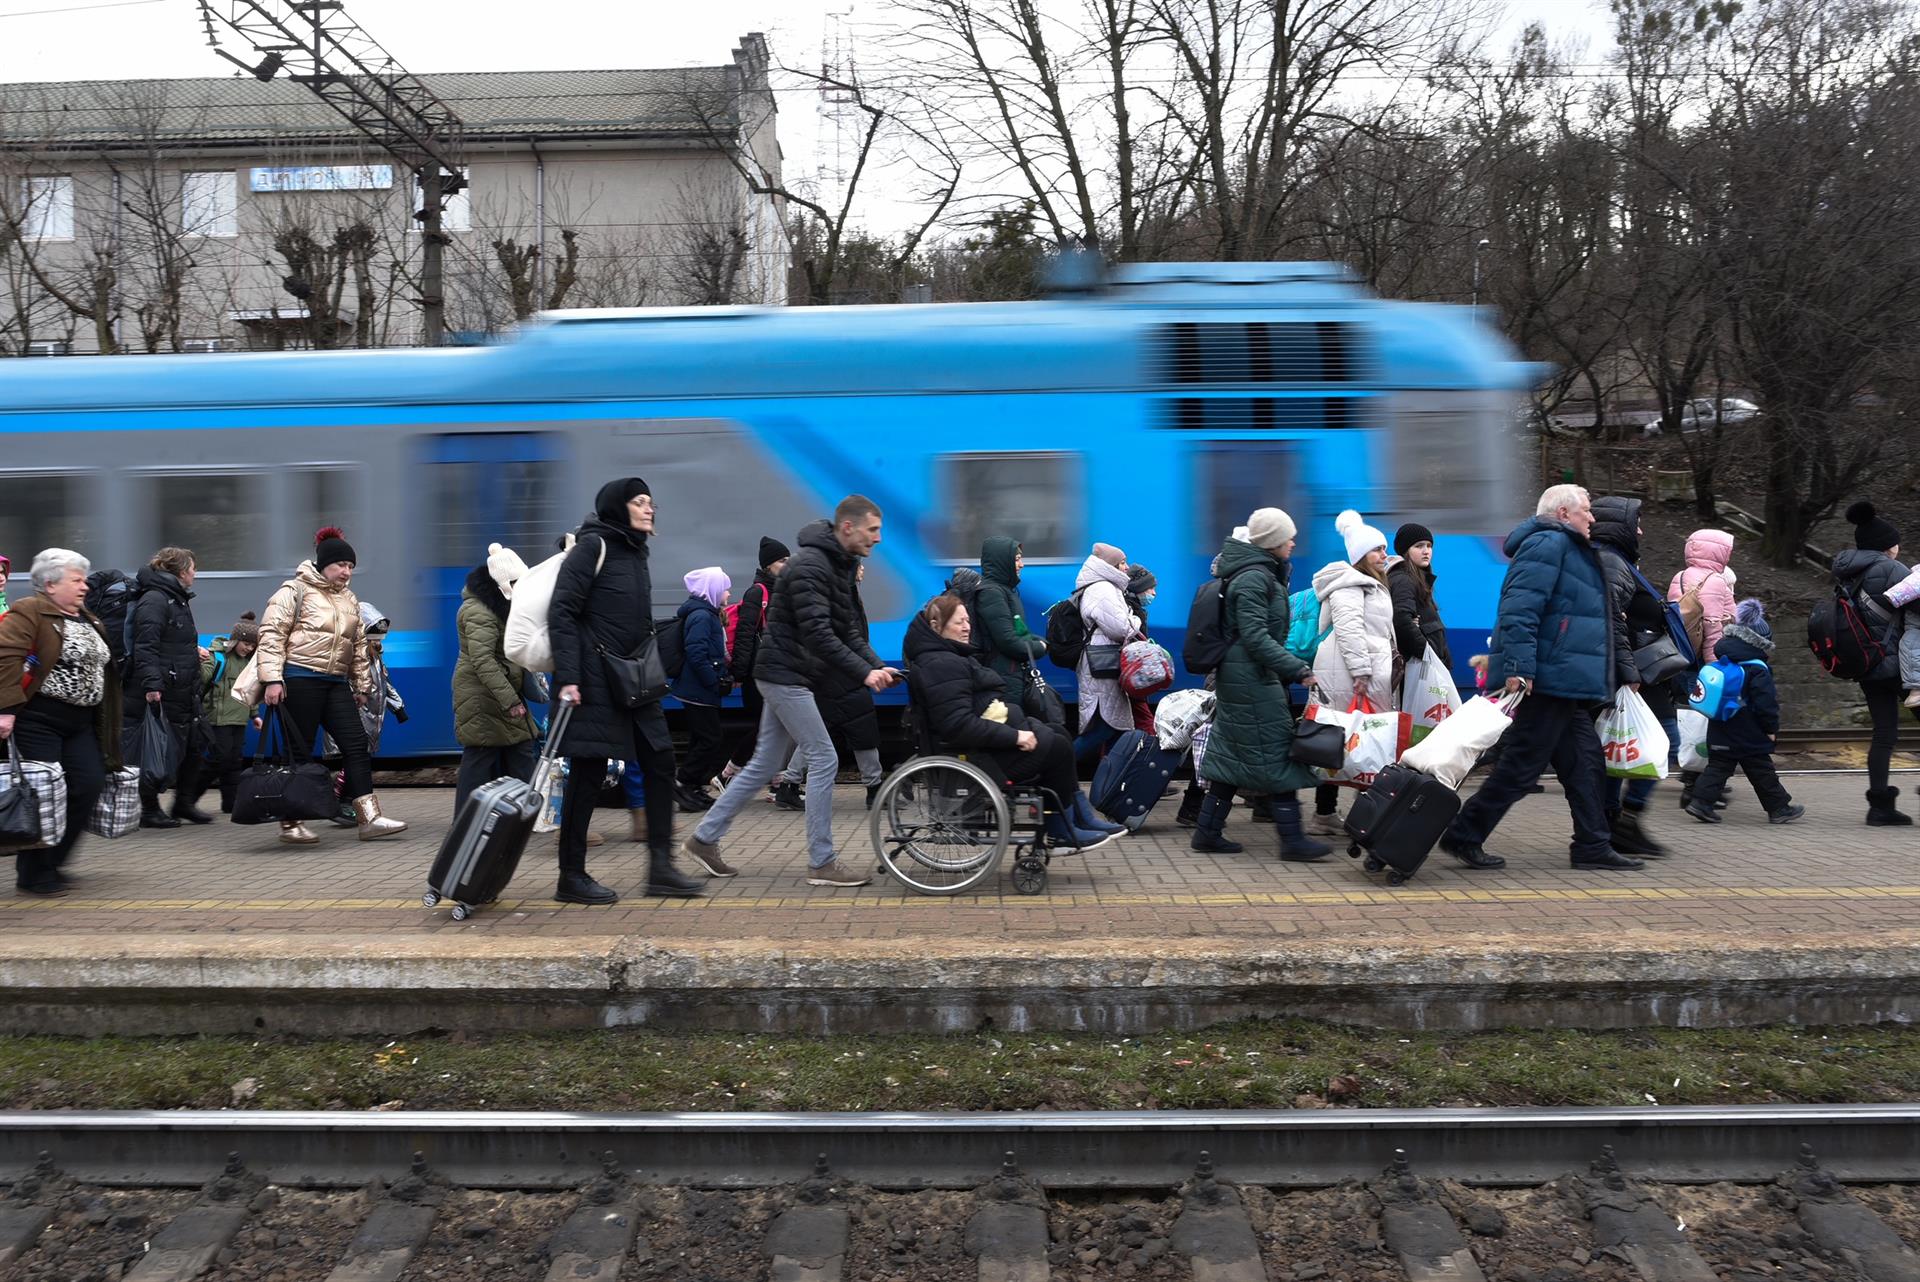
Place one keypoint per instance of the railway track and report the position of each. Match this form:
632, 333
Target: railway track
1805, 1194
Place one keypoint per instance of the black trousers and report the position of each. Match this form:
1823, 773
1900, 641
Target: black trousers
1050, 765
314, 705
229, 759
586, 774
484, 765
743, 746
706, 749
49, 730
1759, 771
1883, 704
1546, 731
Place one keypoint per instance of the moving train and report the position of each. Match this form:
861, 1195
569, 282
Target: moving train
1152, 411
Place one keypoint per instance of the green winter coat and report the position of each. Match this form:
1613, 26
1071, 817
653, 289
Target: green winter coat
221, 707
1002, 626
485, 684
1251, 744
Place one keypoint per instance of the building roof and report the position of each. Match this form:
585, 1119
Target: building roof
239, 109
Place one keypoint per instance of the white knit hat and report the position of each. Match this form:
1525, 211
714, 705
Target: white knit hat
1361, 538
1269, 527
505, 567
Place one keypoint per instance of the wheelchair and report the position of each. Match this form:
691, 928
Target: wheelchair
941, 823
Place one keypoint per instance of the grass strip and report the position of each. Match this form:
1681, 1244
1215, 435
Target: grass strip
1250, 1064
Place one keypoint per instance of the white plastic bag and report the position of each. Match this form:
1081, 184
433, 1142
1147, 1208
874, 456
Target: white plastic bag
1693, 741
1457, 744
525, 638
1428, 693
1375, 740
1177, 716
1631, 737
1906, 591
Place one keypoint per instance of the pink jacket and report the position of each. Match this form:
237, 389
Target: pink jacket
1708, 553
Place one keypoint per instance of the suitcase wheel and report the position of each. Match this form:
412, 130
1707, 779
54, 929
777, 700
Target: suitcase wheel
1029, 875
1396, 879
429, 900
461, 912
1372, 864
1353, 850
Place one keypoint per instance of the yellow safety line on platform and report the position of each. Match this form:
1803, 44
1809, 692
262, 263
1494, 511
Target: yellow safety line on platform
1359, 898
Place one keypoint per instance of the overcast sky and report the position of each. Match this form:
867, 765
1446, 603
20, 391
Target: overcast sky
115, 39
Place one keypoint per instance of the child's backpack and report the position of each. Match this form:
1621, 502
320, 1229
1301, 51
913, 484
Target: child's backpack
732, 615
1066, 631
1304, 633
1693, 617
525, 638
1719, 689
1843, 639
110, 598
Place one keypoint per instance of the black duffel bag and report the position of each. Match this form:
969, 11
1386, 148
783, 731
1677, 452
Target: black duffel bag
275, 790
150, 744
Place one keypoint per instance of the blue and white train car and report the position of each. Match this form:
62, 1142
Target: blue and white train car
1154, 413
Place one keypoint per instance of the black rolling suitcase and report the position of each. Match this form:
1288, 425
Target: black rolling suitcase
482, 849
1398, 820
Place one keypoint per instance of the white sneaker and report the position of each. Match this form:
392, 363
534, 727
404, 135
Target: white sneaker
1913, 698
1325, 825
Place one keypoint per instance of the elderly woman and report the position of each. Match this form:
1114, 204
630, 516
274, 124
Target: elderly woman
59, 700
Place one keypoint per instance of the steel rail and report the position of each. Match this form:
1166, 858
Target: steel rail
1858, 1142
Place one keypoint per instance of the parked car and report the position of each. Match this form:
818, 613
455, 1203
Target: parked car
1702, 413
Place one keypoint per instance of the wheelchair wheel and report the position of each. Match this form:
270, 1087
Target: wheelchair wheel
940, 825
1030, 874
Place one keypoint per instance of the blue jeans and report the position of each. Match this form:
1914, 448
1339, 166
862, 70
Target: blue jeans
1638, 790
790, 717
634, 780
1093, 741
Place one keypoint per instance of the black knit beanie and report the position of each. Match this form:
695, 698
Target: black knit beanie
330, 546
610, 504
1141, 580
772, 550
1871, 531
1408, 535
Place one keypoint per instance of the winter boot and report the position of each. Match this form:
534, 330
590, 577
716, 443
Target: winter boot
1295, 846
787, 797
1065, 836
1881, 812
1261, 810
664, 881
1189, 812
1210, 832
157, 818
297, 834
1630, 836
873, 790
373, 824
578, 888
691, 800
184, 809
1087, 819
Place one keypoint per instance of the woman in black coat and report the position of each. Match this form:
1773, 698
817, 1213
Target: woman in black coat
603, 608
962, 704
163, 667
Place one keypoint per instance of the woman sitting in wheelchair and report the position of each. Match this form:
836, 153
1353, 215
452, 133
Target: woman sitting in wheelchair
962, 707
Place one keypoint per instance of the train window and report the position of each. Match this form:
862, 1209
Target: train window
1039, 499
1235, 478
46, 510
491, 488
223, 517
322, 496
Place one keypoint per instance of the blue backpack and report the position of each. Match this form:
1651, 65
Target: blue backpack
1719, 690
1304, 633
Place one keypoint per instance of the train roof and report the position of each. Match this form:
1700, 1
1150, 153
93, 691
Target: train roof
1111, 338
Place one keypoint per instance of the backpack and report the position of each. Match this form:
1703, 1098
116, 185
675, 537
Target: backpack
670, 642
213, 682
1719, 691
1677, 627
1843, 640
525, 638
732, 616
1304, 633
1066, 631
110, 598
1209, 636
1693, 618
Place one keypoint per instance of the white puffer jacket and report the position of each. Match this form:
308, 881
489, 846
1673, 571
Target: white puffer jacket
1103, 606
1360, 610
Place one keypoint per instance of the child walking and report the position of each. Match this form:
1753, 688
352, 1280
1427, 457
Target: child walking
227, 717
1746, 739
704, 681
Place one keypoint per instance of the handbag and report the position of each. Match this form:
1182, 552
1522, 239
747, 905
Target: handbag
117, 813
275, 790
638, 679
1319, 744
1660, 661
150, 745
1041, 702
20, 826
1104, 661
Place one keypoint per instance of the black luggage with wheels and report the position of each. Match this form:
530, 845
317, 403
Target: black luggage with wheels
1398, 820
1133, 778
482, 850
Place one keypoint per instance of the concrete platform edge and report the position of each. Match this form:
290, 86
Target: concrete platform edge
83, 985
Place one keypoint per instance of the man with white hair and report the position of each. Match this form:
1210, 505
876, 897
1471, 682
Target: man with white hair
1553, 642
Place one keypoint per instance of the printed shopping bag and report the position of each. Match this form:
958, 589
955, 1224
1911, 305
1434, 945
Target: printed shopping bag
1631, 737
1375, 740
1428, 693
1457, 744
1180, 715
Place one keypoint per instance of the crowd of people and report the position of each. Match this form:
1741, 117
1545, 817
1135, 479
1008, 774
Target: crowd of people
1578, 621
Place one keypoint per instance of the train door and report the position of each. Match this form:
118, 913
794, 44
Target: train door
1234, 477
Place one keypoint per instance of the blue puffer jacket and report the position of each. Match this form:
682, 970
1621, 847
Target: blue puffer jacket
703, 676
1554, 625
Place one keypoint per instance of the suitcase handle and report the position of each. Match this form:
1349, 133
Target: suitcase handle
556, 726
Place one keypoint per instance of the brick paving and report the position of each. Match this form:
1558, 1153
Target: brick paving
1825, 879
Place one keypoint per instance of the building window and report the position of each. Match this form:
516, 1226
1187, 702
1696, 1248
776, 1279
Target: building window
46, 510
49, 347
1038, 499
209, 204
47, 208
224, 518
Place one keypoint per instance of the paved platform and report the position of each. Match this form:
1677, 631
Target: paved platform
223, 928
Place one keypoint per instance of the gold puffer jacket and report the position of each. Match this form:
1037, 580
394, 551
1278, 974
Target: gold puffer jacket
325, 637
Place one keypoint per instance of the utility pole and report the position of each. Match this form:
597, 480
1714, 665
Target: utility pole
348, 70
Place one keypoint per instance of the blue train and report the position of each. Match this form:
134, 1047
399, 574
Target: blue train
1153, 412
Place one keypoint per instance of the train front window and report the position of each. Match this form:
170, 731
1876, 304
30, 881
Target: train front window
220, 516
1038, 499
46, 510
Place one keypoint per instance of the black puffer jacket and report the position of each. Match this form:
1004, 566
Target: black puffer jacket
849, 711
1616, 537
747, 632
1750, 731
166, 647
950, 688
1416, 617
815, 635
610, 612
